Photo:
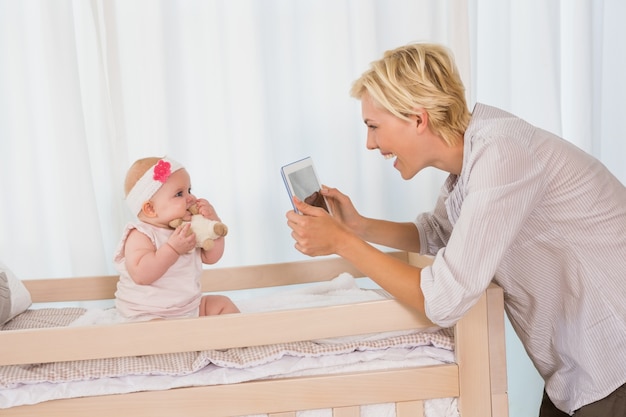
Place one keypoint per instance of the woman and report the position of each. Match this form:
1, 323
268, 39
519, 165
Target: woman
521, 207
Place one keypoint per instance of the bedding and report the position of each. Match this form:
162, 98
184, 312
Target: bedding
30, 384
14, 297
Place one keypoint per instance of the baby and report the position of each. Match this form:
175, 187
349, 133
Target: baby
159, 267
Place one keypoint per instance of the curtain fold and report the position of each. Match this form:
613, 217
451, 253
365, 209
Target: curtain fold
232, 89
235, 89
558, 65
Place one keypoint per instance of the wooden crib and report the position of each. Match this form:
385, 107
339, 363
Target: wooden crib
478, 378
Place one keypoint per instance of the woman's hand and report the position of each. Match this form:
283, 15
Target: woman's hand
318, 233
342, 209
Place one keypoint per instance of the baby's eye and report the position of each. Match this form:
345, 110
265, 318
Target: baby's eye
179, 194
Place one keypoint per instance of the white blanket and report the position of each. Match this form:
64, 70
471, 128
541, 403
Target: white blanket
341, 290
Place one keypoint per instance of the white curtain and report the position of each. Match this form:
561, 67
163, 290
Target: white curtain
560, 65
233, 89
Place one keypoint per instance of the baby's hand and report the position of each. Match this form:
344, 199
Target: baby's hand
206, 209
183, 239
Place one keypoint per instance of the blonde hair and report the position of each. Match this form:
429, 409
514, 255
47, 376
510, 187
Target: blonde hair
419, 75
136, 171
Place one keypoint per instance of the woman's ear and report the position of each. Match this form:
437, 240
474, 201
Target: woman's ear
421, 119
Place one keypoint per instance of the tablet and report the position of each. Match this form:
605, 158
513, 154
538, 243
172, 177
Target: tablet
301, 181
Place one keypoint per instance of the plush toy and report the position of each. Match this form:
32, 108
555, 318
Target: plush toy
206, 230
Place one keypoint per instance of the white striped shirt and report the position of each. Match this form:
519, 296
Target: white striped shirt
547, 222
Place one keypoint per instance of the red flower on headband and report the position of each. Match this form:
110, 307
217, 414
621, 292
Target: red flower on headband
162, 171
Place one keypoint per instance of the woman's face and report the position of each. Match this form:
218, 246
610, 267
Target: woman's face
394, 138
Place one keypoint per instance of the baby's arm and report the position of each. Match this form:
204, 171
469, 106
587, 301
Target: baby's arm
147, 264
215, 253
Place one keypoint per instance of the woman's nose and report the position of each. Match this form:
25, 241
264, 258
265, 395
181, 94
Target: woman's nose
370, 143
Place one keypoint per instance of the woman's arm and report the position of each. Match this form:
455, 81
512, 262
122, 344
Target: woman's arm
317, 233
402, 236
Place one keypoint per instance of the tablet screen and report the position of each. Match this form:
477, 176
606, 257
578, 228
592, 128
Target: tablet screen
301, 180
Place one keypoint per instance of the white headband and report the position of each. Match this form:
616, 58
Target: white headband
150, 183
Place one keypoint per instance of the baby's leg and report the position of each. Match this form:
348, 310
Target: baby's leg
212, 305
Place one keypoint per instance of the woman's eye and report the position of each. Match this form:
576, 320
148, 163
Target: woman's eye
371, 127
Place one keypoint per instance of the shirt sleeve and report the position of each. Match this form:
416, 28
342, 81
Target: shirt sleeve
434, 227
499, 186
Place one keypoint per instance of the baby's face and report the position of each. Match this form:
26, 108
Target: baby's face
173, 199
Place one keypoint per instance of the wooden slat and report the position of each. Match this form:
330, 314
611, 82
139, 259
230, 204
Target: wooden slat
214, 332
472, 356
497, 345
497, 351
261, 276
419, 260
410, 409
500, 405
215, 279
270, 396
347, 411
71, 289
